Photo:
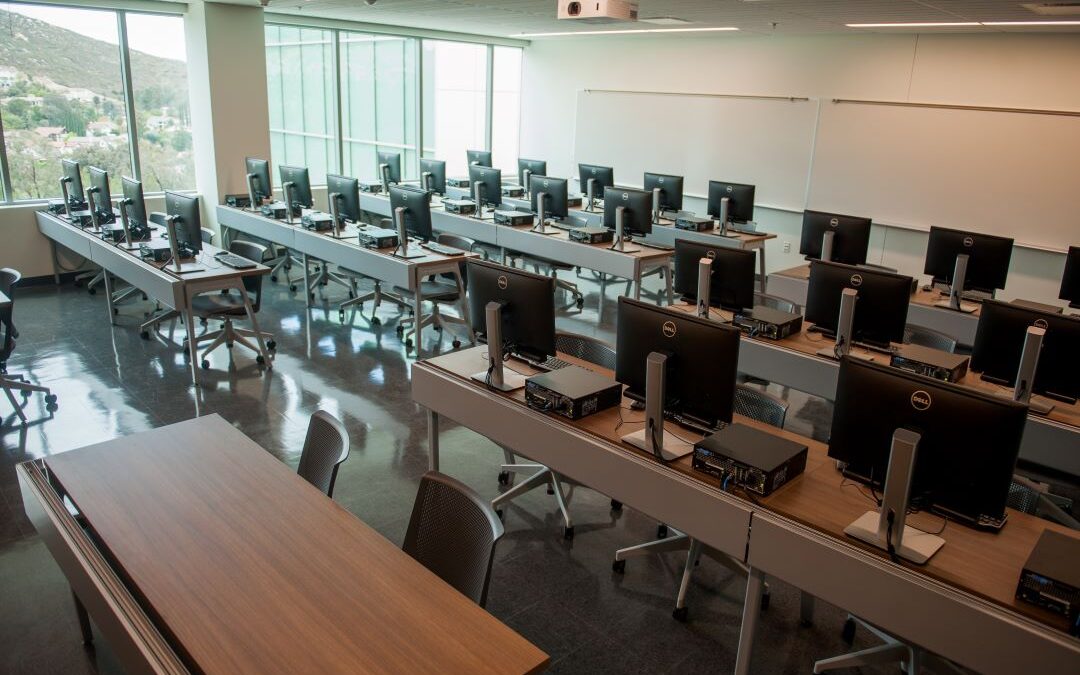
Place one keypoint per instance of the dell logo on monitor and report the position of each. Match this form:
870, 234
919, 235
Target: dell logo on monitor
1041, 323
921, 400
730, 189
660, 180
503, 282
856, 280
834, 222
626, 196
969, 242
669, 329
711, 255
547, 183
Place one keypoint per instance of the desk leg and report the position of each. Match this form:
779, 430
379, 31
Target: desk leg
84, 621
109, 294
433, 440
418, 306
193, 349
463, 305
307, 283
637, 284
761, 263
750, 615
55, 266
806, 608
667, 281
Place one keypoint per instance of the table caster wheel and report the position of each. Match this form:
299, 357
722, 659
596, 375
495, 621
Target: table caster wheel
661, 531
341, 316
504, 478
848, 634
50, 399
568, 532
205, 364
260, 360
618, 566
679, 614
616, 505
271, 345
145, 335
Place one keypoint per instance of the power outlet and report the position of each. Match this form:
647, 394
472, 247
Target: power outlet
787, 247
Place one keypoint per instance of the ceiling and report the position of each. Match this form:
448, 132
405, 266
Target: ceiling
752, 17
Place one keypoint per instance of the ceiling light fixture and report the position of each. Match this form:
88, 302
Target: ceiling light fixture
628, 31
951, 24
1031, 23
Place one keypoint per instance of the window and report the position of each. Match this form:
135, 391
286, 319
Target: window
455, 102
300, 84
506, 107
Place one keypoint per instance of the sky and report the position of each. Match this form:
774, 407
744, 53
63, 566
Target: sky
148, 33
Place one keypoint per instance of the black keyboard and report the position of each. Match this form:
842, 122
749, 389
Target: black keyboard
552, 363
234, 261
443, 250
653, 244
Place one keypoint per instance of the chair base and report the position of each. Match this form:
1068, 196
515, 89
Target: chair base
542, 476
229, 335
378, 295
12, 383
911, 659
323, 277
282, 263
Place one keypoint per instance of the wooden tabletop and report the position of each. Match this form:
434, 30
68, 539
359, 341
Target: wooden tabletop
982, 563
246, 568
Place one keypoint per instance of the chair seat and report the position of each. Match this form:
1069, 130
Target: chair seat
217, 304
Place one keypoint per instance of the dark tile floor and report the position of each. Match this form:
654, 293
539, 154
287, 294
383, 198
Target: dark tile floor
562, 596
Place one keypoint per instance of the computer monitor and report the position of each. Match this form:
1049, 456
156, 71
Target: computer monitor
436, 182
1070, 280
73, 175
136, 209
185, 208
851, 237
262, 187
637, 210
968, 444
535, 167
393, 162
671, 189
301, 191
999, 342
556, 194
99, 183
880, 310
702, 360
491, 181
417, 209
740, 200
528, 307
603, 177
348, 200
732, 278
988, 258
478, 157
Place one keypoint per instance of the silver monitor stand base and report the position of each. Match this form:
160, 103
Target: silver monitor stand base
916, 545
512, 381
965, 307
674, 447
186, 268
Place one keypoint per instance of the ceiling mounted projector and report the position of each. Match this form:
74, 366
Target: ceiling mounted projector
598, 11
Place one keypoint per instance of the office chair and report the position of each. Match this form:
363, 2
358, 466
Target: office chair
377, 294
588, 349
928, 337
9, 278
1034, 498
227, 306
912, 659
453, 533
441, 290
326, 446
756, 405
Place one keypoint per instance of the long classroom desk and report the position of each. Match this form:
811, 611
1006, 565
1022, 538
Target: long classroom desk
793, 283
170, 289
557, 246
346, 252
960, 605
195, 550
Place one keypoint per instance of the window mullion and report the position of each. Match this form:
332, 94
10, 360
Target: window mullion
5, 173
129, 94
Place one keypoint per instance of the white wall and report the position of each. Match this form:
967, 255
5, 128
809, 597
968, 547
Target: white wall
1011, 70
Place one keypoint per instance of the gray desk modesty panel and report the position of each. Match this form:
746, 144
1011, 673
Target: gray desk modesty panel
75, 240
483, 231
277, 232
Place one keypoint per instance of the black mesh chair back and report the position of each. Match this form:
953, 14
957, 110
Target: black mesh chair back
252, 282
775, 302
453, 532
326, 446
9, 278
928, 337
593, 350
761, 406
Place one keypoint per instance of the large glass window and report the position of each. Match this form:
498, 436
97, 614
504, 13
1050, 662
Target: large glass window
61, 95
160, 89
506, 107
455, 102
300, 83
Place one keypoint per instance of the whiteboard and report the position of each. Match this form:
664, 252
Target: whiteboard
1007, 173
765, 142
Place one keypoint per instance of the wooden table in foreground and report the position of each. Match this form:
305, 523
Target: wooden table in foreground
214, 557
961, 605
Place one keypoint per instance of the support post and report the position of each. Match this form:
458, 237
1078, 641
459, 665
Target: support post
704, 287
1025, 376
827, 246
496, 376
652, 439
286, 191
844, 326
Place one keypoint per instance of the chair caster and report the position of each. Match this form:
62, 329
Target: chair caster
145, 335
848, 634
550, 490
259, 359
568, 533
115, 311
504, 478
438, 328
25, 394
273, 278
680, 614
616, 505
764, 601
271, 345
580, 303
400, 330
311, 296
50, 399
408, 344
661, 531
51, 407
618, 566
499, 514
376, 321
203, 322
292, 287
92, 291
205, 364
341, 316
456, 344
144, 297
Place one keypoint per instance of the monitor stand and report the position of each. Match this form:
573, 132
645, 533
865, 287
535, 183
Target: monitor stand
653, 439
402, 251
885, 529
178, 267
844, 327
956, 290
620, 238
496, 375
541, 216
725, 224
1025, 375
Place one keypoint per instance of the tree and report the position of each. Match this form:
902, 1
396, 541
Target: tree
181, 140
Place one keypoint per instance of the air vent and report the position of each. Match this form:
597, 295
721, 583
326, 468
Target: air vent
1053, 8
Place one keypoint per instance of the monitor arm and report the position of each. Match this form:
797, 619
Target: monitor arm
426, 179
496, 376
704, 287
123, 205
652, 439
827, 241
384, 176
286, 191
620, 233
1025, 375
844, 327
91, 205
64, 180
403, 235
590, 190
526, 176
251, 192
725, 206
478, 196
174, 244
333, 199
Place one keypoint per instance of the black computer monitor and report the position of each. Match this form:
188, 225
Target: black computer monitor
136, 209
881, 308
603, 177
348, 191
528, 307
969, 440
999, 341
99, 183
556, 194
437, 182
988, 258
740, 198
535, 167
263, 188
478, 157
72, 172
417, 205
392, 160
637, 210
703, 358
185, 208
732, 277
491, 180
671, 189
301, 192
1070, 280
851, 236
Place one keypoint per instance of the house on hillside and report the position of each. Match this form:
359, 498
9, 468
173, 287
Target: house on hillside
8, 77
51, 133
80, 95
161, 122
102, 127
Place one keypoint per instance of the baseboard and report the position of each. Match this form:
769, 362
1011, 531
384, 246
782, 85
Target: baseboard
47, 279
